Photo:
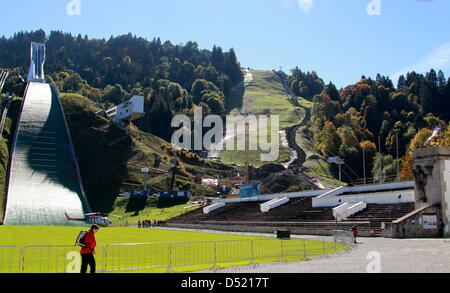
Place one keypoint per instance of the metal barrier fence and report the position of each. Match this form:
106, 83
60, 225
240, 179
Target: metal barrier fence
10, 257
142, 256
54, 258
136, 256
343, 237
166, 256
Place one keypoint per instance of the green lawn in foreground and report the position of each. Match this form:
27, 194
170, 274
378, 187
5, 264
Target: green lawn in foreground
41, 235
189, 251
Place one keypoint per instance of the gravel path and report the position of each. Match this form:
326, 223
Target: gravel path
395, 256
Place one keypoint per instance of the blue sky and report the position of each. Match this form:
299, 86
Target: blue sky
336, 38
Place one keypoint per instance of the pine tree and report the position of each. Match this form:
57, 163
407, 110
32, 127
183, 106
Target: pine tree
401, 83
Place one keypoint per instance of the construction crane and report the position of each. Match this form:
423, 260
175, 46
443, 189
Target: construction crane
247, 146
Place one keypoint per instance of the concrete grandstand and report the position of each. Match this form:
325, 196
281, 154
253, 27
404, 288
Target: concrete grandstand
310, 212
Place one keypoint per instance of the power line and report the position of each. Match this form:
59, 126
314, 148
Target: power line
346, 166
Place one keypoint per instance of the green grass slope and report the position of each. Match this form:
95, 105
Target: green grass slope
128, 211
5, 149
110, 169
264, 95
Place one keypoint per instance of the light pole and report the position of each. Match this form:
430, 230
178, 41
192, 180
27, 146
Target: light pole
204, 174
398, 162
145, 171
364, 156
339, 162
381, 159
364, 164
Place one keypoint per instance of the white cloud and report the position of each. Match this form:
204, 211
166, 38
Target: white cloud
438, 59
306, 5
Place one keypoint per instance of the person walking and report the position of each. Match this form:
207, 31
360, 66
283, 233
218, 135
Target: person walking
355, 231
442, 229
88, 251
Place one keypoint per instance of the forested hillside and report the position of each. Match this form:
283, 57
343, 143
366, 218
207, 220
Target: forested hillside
173, 78
373, 115
372, 119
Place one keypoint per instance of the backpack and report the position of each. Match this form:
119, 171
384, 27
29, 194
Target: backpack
80, 239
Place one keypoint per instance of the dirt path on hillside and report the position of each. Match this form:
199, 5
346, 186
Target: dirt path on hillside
291, 132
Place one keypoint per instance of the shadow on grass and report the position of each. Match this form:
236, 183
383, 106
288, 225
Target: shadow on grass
136, 204
170, 202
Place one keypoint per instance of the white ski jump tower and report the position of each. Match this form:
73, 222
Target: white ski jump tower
37, 54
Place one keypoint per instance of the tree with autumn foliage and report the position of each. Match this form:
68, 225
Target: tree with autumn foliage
395, 120
406, 168
418, 142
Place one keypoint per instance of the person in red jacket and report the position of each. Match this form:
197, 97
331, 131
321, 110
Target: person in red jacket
88, 251
355, 231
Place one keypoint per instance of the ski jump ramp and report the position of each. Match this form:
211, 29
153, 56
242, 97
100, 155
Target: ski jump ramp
44, 179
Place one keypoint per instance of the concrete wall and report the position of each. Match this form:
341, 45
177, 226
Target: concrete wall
355, 208
432, 180
445, 206
334, 192
381, 187
213, 207
339, 211
272, 196
368, 188
273, 227
415, 226
388, 197
274, 203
